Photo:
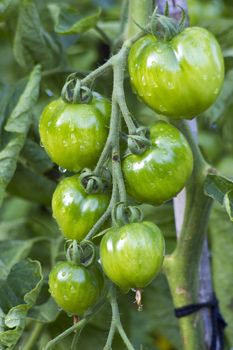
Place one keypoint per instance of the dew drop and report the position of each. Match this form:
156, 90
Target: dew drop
66, 297
49, 92
62, 170
143, 80
73, 138
41, 144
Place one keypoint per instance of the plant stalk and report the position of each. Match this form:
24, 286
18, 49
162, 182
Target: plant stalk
138, 15
182, 267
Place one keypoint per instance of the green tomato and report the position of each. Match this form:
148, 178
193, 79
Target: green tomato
76, 211
74, 134
161, 171
132, 255
75, 288
179, 78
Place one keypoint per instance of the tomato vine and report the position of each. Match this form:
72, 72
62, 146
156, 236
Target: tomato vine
181, 267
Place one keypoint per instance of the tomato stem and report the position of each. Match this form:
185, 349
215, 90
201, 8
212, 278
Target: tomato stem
75, 327
182, 267
116, 324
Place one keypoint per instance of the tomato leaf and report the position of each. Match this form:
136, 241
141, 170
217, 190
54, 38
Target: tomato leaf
30, 185
221, 190
18, 292
215, 112
221, 230
17, 126
68, 22
19, 119
34, 156
32, 44
46, 312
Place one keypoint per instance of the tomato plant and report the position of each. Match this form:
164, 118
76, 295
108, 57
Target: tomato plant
136, 180
74, 134
181, 77
161, 172
132, 255
76, 211
75, 288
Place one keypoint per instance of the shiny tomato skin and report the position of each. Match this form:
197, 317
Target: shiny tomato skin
132, 255
179, 78
74, 134
161, 172
75, 288
76, 211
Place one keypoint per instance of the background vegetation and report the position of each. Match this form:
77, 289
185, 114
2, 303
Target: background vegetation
41, 43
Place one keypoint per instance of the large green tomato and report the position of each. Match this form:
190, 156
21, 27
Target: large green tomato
74, 134
132, 255
161, 171
76, 211
75, 288
179, 78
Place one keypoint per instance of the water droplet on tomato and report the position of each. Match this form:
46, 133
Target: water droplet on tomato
73, 138
143, 80
62, 170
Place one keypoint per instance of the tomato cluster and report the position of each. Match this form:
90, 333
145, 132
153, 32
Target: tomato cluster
179, 78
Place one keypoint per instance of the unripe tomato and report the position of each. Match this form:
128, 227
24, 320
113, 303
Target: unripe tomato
75, 288
161, 172
132, 255
76, 211
74, 134
179, 78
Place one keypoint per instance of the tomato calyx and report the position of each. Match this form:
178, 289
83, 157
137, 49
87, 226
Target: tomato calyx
139, 142
83, 253
165, 27
74, 92
94, 183
123, 214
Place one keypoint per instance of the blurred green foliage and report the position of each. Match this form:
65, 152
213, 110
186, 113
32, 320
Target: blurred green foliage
62, 37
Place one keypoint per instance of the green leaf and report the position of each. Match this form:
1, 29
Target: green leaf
34, 156
11, 252
221, 190
4, 5
17, 126
32, 44
18, 292
30, 185
221, 239
19, 119
46, 312
223, 101
68, 21
5, 94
